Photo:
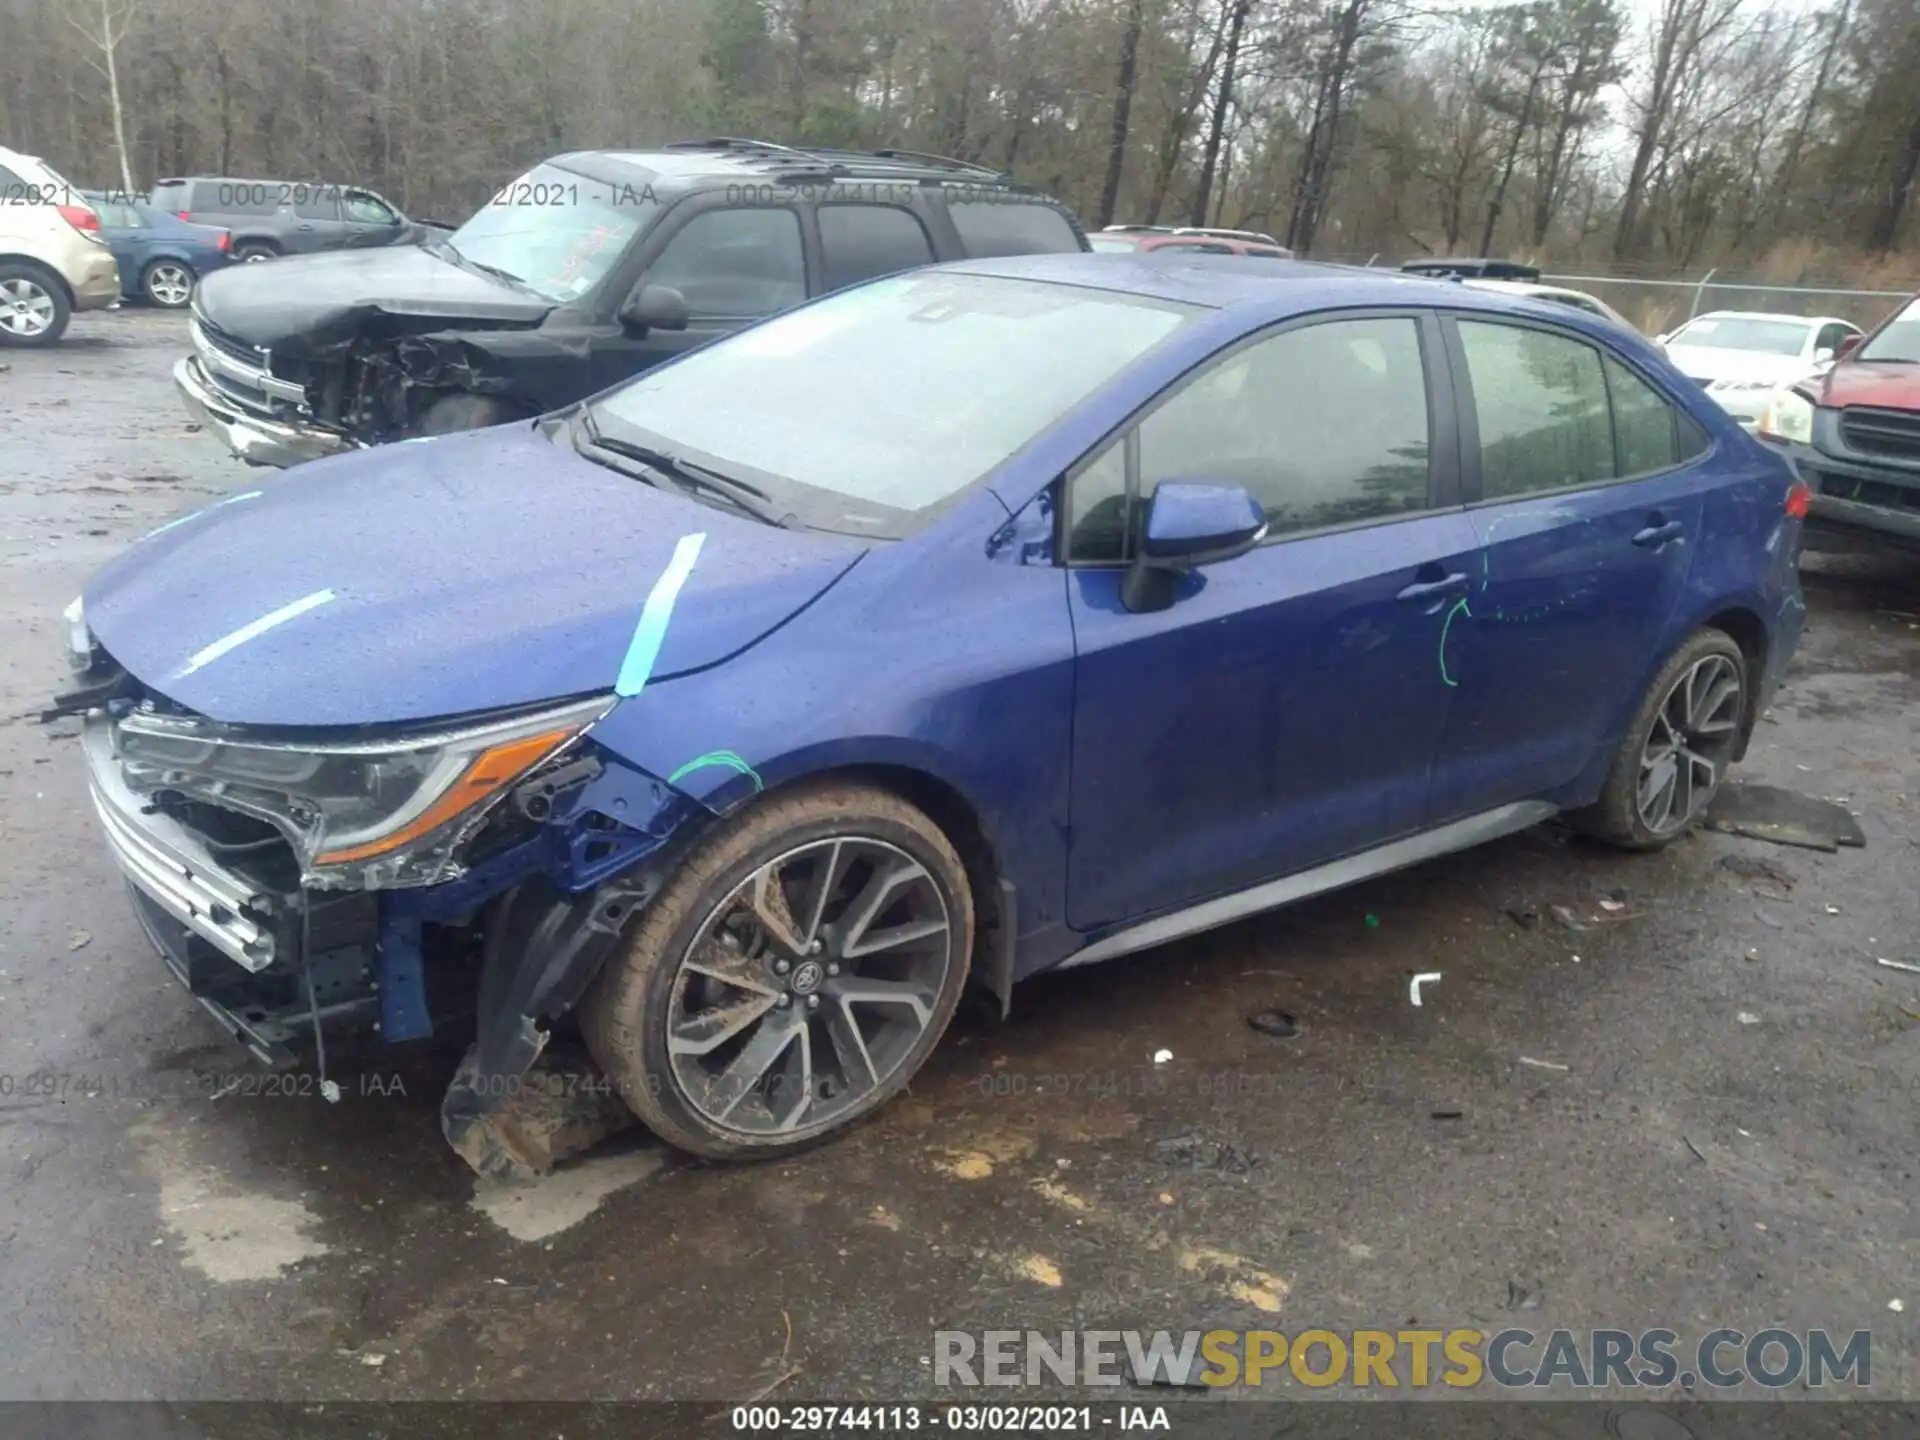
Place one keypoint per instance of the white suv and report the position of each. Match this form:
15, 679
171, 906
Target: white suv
53, 258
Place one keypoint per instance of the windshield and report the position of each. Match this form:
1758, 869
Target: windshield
1898, 339
1734, 332
871, 410
555, 231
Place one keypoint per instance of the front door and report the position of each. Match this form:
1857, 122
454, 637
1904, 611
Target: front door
1588, 516
734, 265
1284, 710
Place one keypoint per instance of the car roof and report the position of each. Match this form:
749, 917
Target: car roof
1226, 282
689, 163
1770, 315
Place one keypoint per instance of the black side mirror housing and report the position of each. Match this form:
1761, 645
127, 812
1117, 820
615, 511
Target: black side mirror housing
654, 307
1188, 524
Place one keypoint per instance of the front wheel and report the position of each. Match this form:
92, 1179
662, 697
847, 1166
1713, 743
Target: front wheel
168, 284
1676, 749
790, 977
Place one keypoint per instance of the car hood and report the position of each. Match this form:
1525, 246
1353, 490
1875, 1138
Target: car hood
1701, 362
437, 578
1892, 384
302, 304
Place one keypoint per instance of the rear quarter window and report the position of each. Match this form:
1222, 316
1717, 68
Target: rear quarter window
1012, 227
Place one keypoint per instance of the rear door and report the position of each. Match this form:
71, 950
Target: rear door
314, 219
1284, 710
1587, 505
863, 242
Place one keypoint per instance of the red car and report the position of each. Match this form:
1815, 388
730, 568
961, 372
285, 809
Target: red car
1204, 242
1854, 432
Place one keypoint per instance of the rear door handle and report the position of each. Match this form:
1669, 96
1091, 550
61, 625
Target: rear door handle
1441, 589
1655, 536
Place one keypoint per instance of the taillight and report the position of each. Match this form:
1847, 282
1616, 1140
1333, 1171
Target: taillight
226, 240
184, 214
79, 217
1799, 500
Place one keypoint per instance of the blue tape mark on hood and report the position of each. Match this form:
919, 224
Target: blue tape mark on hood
252, 630
654, 615
203, 510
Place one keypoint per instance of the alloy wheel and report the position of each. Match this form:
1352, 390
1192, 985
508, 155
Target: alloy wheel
1689, 745
808, 987
169, 284
26, 309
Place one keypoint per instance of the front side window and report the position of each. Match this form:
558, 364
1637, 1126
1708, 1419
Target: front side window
555, 231
365, 210
1011, 227
1541, 403
864, 242
735, 264
872, 410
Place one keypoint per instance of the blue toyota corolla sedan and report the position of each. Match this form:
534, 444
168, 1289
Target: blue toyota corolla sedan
978, 621
161, 257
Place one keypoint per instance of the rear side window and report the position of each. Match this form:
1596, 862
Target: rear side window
1541, 403
862, 242
1011, 227
735, 264
1646, 428
316, 202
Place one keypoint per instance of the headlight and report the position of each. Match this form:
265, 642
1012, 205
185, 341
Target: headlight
79, 637
1788, 417
370, 815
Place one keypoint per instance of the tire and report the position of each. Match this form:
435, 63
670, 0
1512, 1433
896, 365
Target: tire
451, 414
34, 309
252, 252
168, 284
1688, 701
740, 1087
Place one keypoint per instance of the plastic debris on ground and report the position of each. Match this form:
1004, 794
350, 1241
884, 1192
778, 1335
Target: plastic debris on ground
1277, 1023
1782, 817
1413, 986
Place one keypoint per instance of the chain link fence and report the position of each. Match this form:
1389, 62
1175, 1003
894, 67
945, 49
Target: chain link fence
1660, 298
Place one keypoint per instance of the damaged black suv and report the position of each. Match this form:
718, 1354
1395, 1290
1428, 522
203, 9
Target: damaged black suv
588, 269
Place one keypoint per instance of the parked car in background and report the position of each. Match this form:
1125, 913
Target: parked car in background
160, 257
1854, 432
1139, 240
1557, 294
1442, 267
53, 258
271, 218
590, 268
960, 626
1740, 357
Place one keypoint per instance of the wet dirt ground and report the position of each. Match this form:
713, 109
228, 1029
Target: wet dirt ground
1722, 1132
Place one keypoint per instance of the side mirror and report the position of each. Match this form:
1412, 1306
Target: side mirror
1189, 524
654, 307
1848, 346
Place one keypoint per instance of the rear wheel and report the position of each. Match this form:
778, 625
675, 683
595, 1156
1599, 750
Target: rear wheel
252, 252
451, 414
790, 977
168, 283
33, 305
1677, 748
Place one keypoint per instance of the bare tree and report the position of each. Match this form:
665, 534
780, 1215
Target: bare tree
104, 31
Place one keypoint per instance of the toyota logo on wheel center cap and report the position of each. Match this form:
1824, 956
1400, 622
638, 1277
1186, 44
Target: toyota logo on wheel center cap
807, 976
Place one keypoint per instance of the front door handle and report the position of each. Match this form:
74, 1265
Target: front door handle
1422, 591
1654, 536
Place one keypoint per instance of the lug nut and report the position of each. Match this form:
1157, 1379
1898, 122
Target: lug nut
815, 948
833, 969
783, 1001
813, 1002
781, 967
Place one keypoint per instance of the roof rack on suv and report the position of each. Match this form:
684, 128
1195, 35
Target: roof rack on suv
842, 162
944, 162
1138, 229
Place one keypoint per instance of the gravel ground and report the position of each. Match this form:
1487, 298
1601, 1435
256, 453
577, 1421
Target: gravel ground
1725, 1135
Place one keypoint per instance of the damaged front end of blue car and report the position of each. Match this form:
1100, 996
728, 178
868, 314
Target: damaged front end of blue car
305, 888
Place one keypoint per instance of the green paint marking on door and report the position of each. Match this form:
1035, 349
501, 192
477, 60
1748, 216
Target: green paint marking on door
1459, 608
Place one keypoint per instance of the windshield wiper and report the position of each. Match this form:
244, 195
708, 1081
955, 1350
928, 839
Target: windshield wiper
687, 476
